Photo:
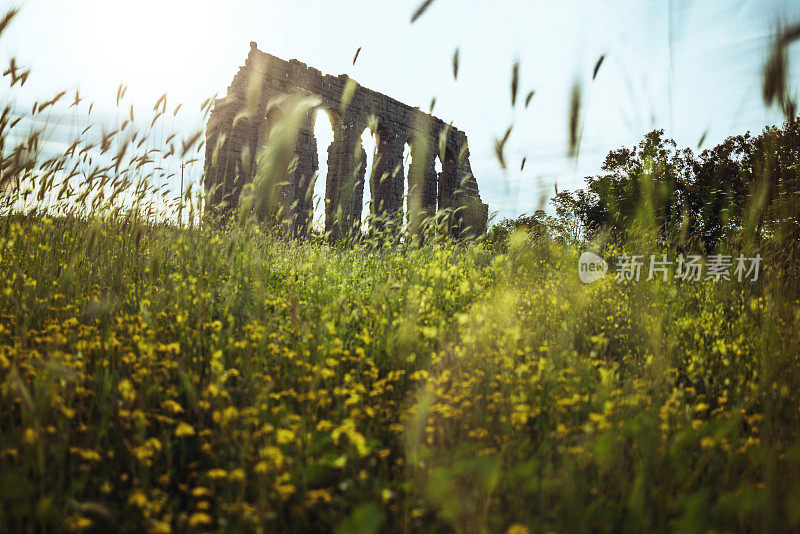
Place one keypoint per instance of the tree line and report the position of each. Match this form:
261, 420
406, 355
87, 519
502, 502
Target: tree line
744, 191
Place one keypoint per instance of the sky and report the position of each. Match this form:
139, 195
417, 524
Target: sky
688, 67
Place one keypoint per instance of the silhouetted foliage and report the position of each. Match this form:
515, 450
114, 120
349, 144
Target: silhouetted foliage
744, 188
535, 225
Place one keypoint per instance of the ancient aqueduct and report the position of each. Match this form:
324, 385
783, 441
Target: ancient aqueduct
233, 134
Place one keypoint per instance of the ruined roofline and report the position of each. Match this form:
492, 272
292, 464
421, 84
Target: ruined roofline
294, 70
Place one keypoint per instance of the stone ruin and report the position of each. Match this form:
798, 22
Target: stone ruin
239, 127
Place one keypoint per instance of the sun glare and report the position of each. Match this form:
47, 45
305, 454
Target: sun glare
149, 45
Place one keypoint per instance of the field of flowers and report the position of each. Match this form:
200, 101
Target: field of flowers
161, 379
164, 377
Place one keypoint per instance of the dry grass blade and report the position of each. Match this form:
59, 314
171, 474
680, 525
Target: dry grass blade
702, 138
255, 84
774, 74
355, 57
420, 10
157, 116
120, 92
18, 74
455, 63
162, 101
574, 118
529, 98
514, 83
187, 145
51, 102
597, 66
522, 165
12, 68
443, 136
499, 147
776, 70
7, 18
347, 93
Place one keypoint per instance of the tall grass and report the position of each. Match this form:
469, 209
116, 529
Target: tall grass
157, 376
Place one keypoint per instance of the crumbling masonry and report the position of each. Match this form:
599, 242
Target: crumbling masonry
239, 127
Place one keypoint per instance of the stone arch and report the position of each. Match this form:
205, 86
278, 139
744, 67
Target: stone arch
365, 187
326, 121
238, 124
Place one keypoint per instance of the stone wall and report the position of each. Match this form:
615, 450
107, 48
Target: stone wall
239, 126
